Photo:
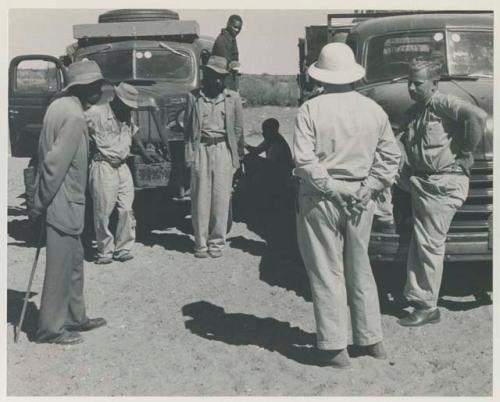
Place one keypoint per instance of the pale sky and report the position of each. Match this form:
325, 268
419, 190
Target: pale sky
267, 43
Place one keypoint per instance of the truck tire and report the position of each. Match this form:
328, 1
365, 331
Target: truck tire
137, 15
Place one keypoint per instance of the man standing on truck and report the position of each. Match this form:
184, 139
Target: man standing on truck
441, 133
345, 151
60, 192
213, 130
225, 45
113, 131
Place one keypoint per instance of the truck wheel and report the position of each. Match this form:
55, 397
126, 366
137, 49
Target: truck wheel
137, 15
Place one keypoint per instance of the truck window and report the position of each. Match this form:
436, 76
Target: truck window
388, 56
163, 65
154, 64
36, 76
116, 65
470, 53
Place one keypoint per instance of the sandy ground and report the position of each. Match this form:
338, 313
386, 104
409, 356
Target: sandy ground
239, 325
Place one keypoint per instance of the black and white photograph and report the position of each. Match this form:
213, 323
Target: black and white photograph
234, 201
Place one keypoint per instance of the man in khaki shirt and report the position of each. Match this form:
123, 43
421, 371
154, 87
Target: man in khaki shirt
213, 130
345, 151
113, 132
440, 135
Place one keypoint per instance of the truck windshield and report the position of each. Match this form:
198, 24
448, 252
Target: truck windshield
388, 56
154, 64
469, 53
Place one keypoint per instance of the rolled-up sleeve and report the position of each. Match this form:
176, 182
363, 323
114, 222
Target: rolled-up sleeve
386, 162
471, 116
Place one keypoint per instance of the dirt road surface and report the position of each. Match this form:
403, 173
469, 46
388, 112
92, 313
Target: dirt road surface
239, 325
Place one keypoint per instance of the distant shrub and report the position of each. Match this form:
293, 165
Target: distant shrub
266, 89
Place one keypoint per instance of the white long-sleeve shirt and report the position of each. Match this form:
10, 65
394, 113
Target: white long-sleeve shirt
344, 135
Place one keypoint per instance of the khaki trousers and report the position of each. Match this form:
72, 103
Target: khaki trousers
112, 187
211, 184
335, 254
62, 301
434, 203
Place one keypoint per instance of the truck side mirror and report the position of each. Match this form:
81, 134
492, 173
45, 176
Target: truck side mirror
204, 56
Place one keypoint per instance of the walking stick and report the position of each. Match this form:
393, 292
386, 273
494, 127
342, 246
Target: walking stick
18, 327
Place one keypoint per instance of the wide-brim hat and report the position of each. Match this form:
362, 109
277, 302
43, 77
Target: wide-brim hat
217, 64
128, 95
83, 72
336, 65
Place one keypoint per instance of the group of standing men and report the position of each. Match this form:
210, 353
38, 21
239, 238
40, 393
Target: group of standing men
345, 155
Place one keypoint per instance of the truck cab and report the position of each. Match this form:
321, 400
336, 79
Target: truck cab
384, 43
154, 51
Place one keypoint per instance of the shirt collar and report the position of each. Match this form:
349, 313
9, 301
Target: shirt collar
218, 99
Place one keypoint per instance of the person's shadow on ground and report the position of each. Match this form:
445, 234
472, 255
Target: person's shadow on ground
15, 300
213, 323
459, 280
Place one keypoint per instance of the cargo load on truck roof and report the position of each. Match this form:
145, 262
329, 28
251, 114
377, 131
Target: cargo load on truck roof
137, 29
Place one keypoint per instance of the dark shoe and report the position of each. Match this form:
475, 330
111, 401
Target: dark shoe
215, 253
338, 359
387, 227
92, 323
70, 338
201, 254
103, 260
122, 257
376, 350
421, 317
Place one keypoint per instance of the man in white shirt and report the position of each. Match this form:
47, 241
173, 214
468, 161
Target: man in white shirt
113, 131
345, 152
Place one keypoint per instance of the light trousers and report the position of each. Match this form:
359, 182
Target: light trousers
110, 187
434, 203
211, 184
335, 254
62, 301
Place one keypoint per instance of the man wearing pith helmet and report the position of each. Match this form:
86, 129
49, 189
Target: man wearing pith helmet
214, 145
113, 131
345, 152
60, 194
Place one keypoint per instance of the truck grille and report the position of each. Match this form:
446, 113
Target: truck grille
474, 214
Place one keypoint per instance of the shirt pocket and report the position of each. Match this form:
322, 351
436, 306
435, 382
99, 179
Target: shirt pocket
435, 136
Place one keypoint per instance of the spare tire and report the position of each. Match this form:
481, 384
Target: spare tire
136, 15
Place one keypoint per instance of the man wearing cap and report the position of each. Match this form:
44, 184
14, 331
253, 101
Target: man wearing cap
113, 131
225, 45
440, 135
60, 194
213, 130
345, 151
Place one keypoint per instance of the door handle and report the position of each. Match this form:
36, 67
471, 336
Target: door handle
13, 112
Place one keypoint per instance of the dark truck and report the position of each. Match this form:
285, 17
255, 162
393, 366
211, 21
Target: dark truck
151, 49
384, 43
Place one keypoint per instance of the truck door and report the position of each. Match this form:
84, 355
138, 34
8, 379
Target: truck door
33, 82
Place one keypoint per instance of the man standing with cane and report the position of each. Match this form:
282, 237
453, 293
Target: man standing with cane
345, 151
60, 194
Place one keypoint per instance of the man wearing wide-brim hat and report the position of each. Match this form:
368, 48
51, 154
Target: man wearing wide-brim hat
345, 151
113, 131
213, 130
60, 194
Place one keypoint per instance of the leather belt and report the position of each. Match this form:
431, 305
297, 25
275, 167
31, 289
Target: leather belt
212, 140
98, 157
